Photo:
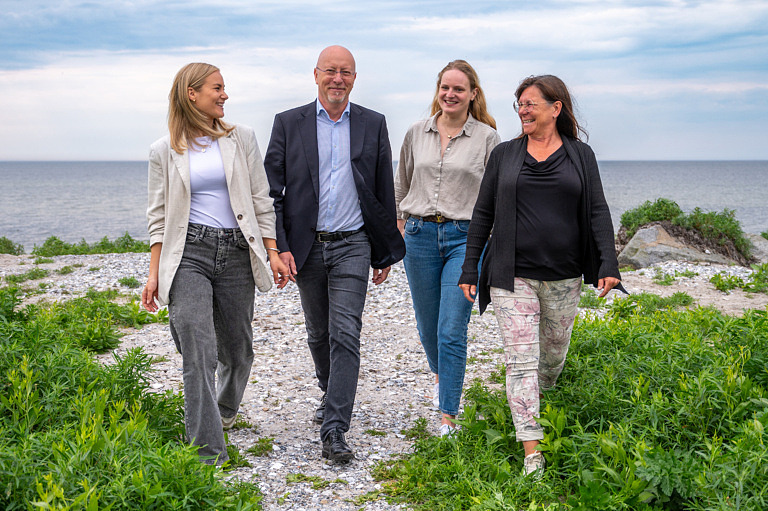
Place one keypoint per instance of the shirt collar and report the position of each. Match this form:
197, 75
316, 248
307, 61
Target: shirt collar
467, 129
319, 108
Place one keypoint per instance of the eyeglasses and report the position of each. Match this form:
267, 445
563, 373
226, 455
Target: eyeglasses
529, 105
345, 74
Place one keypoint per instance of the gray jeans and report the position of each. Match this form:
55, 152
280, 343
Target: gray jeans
211, 310
332, 284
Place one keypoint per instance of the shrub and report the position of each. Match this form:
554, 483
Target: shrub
77, 434
764, 234
658, 211
54, 246
131, 282
9, 247
719, 227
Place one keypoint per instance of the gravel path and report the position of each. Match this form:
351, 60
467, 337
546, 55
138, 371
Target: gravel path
282, 395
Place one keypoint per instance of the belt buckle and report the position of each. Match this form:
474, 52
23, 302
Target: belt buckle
440, 218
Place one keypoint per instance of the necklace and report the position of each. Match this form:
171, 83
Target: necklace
210, 143
445, 131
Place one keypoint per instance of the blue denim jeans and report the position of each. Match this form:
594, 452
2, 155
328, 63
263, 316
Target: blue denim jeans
332, 284
211, 311
433, 258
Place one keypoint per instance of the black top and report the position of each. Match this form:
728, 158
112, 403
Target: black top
497, 212
548, 195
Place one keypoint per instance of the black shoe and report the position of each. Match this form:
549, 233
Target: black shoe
320, 412
335, 448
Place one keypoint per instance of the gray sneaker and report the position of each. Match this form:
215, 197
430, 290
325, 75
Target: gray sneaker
228, 422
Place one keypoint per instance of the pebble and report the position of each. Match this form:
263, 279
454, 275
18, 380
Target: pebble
394, 388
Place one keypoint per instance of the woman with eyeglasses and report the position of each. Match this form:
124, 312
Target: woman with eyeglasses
541, 202
442, 161
211, 223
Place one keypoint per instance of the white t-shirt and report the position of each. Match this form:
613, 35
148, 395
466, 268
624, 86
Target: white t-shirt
210, 196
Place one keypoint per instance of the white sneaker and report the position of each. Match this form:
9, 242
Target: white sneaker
534, 464
228, 422
436, 396
446, 430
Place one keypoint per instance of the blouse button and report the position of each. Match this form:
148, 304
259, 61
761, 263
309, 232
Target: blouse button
239, 217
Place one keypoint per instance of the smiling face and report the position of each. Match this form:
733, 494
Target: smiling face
211, 96
454, 94
541, 119
332, 87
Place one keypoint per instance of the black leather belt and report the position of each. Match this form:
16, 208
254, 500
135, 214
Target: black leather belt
324, 237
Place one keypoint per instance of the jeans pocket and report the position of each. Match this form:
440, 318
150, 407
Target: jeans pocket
241, 242
412, 226
462, 226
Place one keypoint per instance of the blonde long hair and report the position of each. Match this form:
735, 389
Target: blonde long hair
478, 106
185, 121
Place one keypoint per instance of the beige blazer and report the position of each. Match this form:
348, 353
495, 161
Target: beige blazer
170, 198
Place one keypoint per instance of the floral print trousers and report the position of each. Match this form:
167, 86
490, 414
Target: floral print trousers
535, 320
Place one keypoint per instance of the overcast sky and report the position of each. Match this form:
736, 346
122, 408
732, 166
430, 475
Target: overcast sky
89, 80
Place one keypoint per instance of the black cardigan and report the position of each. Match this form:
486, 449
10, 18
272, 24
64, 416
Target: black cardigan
498, 268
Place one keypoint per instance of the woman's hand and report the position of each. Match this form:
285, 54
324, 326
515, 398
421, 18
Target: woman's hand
470, 291
606, 284
149, 294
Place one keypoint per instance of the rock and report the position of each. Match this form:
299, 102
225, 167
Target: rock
759, 247
653, 244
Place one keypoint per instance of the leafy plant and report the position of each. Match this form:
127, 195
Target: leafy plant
33, 274
131, 282
262, 447
764, 234
9, 247
724, 282
65, 270
318, 483
657, 211
418, 430
43, 260
720, 227
54, 246
663, 279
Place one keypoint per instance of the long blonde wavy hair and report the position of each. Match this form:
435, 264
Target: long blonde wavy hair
185, 121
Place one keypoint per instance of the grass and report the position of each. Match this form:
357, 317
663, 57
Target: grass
131, 282
65, 270
589, 299
54, 246
318, 483
659, 409
9, 247
418, 430
721, 227
757, 282
764, 234
43, 260
375, 432
77, 434
262, 447
33, 274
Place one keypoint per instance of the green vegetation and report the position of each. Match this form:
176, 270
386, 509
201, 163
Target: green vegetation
722, 228
375, 432
9, 247
589, 298
764, 234
77, 434
647, 212
53, 246
757, 282
65, 270
318, 483
662, 410
131, 282
236, 459
33, 274
262, 447
418, 430
43, 260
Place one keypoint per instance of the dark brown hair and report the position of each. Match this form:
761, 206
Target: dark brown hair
554, 89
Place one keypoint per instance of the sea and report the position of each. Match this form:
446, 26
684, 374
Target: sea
92, 199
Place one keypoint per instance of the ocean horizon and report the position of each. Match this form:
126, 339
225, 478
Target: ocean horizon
77, 200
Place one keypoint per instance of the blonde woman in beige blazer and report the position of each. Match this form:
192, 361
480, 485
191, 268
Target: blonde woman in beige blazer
211, 225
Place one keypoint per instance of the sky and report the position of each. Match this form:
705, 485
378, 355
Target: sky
654, 80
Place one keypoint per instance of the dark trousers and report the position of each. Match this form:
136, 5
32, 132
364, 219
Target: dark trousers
211, 314
333, 284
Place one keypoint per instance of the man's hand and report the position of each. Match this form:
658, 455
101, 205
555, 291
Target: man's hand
606, 284
380, 276
287, 259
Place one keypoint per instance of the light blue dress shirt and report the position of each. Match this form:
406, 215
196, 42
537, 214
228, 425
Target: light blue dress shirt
339, 205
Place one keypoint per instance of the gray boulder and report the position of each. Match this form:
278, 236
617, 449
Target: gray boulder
759, 247
651, 245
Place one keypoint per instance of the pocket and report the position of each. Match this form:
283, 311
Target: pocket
462, 226
412, 226
193, 236
241, 242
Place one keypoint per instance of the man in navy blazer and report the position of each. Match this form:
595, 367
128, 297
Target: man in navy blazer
329, 166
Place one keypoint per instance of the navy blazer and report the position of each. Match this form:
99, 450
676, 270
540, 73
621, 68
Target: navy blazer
293, 167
